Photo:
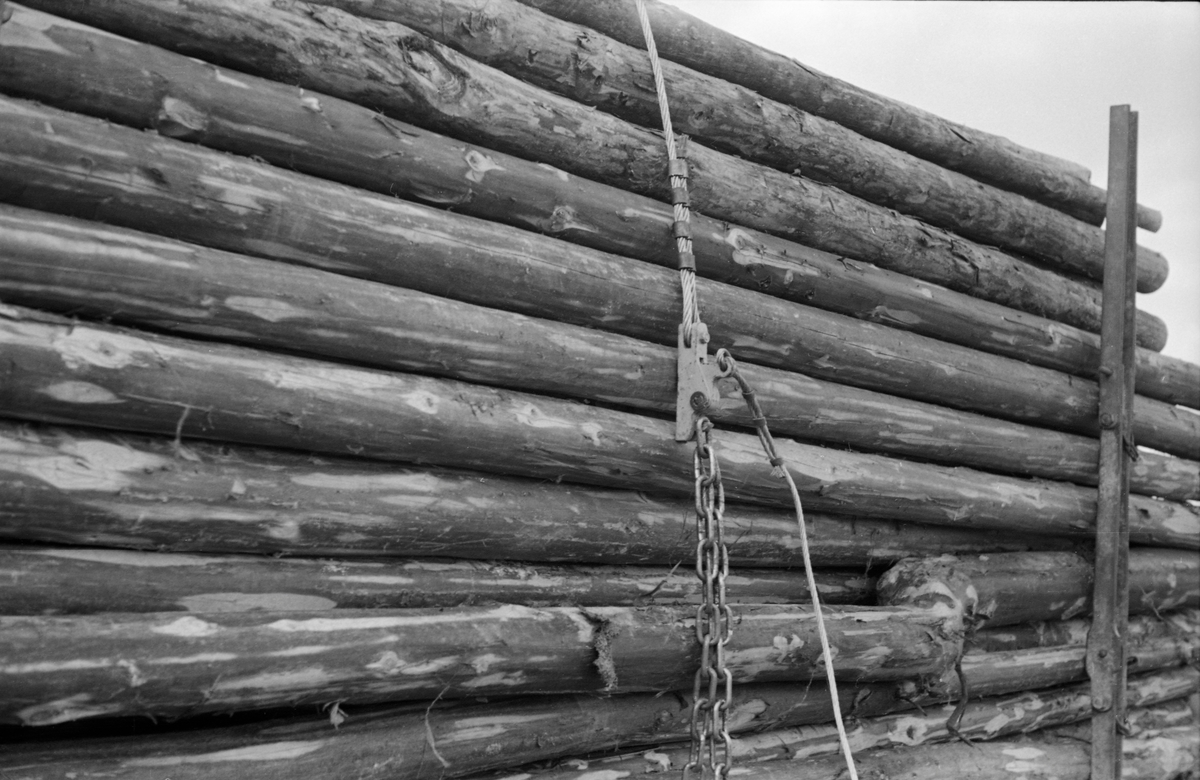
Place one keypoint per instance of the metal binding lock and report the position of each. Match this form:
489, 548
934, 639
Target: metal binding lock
696, 375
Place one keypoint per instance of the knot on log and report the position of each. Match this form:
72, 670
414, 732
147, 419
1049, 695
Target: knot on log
602, 636
179, 119
936, 584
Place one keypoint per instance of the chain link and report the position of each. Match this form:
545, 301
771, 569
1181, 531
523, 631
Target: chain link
712, 687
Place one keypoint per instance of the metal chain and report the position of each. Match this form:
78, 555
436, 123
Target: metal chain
729, 367
712, 687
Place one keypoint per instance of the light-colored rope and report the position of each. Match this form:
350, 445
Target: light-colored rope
727, 364
847, 753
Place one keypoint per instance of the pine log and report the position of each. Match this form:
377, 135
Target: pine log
1177, 713
1171, 753
1153, 643
398, 742
1055, 633
984, 719
1006, 589
112, 378
95, 489
1045, 633
684, 39
475, 737
1144, 721
593, 69
85, 269
267, 211
330, 51
1045, 756
1166, 755
148, 87
1058, 657
82, 581
57, 669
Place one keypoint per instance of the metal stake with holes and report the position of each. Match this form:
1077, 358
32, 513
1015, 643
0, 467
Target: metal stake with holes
1106, 641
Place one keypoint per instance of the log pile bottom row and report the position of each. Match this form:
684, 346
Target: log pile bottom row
1150, 754
773, 722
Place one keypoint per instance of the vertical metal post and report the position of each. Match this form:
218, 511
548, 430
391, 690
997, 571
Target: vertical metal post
1106, 641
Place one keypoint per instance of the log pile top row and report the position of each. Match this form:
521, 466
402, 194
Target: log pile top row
987, 158
206, 108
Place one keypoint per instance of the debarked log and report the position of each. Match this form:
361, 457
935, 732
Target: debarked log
983, 719
473, 737
1045, 755
617, 78
60, 581
57, 669
86, 269
1145, 721
988, 158
148, 87
1152, 642
61, 372
1179, 623
254, 209
90, 488
1055, 666
1005, 589
1165, 754
401, 72
400, 742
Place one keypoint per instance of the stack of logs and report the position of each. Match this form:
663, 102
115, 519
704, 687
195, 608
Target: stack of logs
338, 346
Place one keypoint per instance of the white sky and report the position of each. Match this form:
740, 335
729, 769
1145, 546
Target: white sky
1042, 74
